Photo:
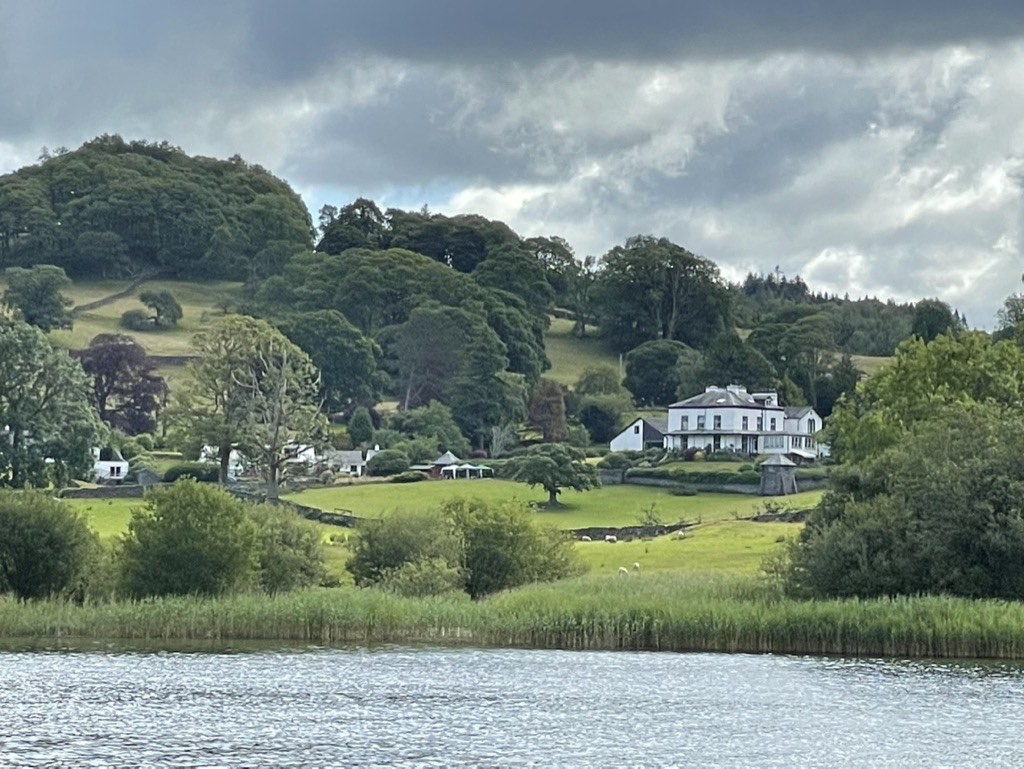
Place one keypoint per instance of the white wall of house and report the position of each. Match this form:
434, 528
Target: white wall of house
630, 439
758, 428
111, 470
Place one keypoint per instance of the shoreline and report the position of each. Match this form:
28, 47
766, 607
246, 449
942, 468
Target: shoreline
651, 613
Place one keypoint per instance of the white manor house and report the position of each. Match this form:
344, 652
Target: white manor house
730, 419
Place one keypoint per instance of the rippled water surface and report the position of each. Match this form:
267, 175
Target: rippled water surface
502, 708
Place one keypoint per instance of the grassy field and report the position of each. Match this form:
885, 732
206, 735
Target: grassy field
608, 506
199, 302
869, 364
570, 355
723, 547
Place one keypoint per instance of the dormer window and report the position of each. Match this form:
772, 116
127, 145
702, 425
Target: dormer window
811, 426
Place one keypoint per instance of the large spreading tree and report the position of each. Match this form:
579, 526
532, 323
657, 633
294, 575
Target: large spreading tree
554, 467
253, 390
126, 392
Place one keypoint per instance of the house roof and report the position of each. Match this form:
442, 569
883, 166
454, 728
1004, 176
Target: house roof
343, 457
721, 398
777, 460
661, 425
797, 412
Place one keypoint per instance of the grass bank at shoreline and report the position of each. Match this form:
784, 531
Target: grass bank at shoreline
656, 612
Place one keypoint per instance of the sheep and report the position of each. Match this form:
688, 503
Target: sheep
585, 538
636, 567
623, 572
610, 538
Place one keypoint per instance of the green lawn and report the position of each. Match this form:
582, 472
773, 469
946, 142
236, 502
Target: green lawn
569, 355
607, 506
723, 547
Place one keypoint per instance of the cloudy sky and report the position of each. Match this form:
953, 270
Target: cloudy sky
874, 149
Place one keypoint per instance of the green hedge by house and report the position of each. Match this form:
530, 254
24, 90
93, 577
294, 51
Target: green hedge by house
708, 477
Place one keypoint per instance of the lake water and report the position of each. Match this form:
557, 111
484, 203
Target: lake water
425, 707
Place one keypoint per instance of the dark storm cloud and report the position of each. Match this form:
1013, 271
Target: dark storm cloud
471, 30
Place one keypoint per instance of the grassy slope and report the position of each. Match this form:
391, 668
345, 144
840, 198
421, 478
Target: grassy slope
569, 355
198, 302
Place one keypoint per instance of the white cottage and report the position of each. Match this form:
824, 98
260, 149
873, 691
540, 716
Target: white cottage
108, 466
642, 433
731, 419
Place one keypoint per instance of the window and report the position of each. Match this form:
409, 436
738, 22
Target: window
773, 423
773, 441
718, 422
811, 426
797, 441
636, 429
683, 441
718, 442
686, 423
700, 422
746, 423
760, 424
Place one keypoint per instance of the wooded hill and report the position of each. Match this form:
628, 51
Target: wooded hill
421, 306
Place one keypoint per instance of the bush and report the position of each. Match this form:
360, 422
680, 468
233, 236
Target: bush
410, 476
290, 555
423, 577
386, 544
200, 471
705, 477
137, 320
614, 461
45, 548
145, 441
388, 462
745, 468
505, 547
190, 539
490, 547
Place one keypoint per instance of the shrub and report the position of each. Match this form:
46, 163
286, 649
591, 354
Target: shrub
506, 547
137, 320
145, 441
45, 546
201, 471
290, 555
614, 461
683, 492
190, 538
745, 468
388, 462
387, 544
423, 577
410, 476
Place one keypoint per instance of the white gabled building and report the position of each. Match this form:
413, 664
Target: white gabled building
108, 466
731, 419
642, 433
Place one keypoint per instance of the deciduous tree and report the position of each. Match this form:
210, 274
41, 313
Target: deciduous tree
34, 294
554, 467
126, 392
47, 426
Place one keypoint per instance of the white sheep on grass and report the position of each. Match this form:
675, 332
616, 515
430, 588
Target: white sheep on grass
623, 571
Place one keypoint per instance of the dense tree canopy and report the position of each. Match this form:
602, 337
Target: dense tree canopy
34, 294
650, 288
653, 373
938, 512
949, 371
47, 425
114, 205
126, 392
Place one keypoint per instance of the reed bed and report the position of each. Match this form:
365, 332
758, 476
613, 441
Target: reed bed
652, 612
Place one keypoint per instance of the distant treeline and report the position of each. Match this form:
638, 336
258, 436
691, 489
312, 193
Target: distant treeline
427, 307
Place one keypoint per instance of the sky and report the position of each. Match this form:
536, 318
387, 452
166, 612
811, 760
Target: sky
874, 148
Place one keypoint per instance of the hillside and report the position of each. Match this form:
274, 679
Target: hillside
570, 355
